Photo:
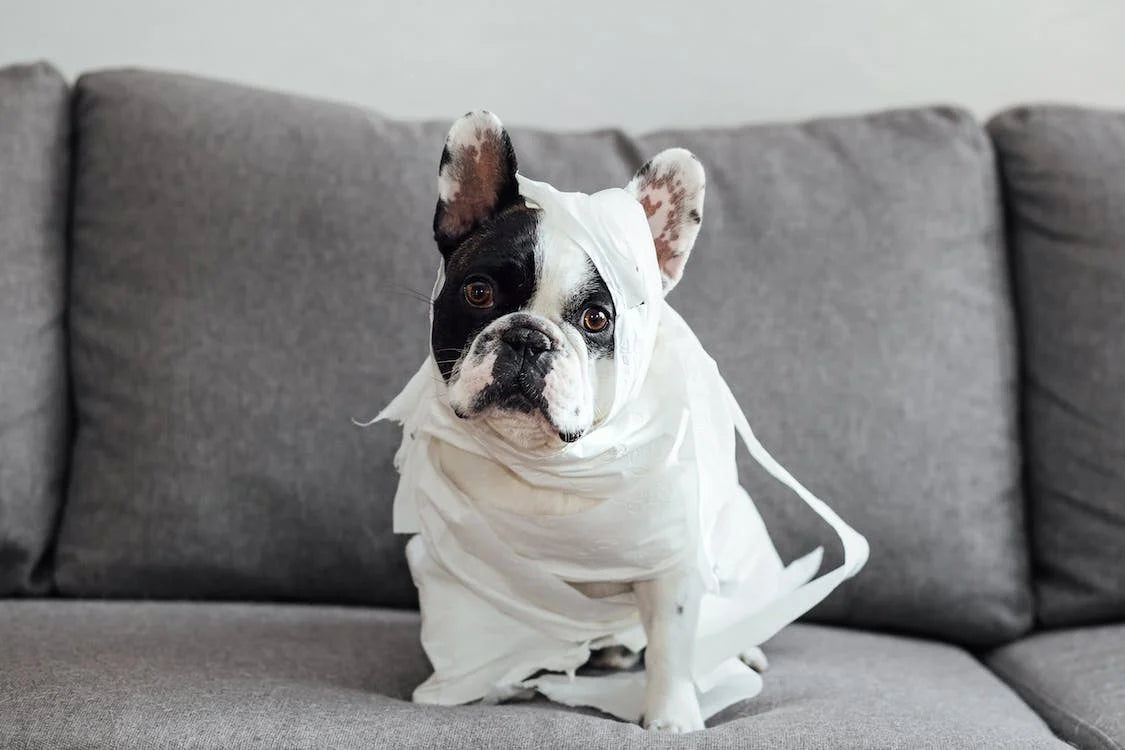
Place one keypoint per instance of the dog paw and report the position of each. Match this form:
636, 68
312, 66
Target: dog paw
677, 712
674, 726
755, 658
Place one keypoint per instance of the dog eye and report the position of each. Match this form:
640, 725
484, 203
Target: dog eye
478, 293
595, 319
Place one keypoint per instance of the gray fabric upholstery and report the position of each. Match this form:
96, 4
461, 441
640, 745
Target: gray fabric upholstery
1075, 679
34, 149
850, 280
1065, 175
250, 271
245, 676
246, 279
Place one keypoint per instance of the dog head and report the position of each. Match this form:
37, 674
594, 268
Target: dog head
523, 326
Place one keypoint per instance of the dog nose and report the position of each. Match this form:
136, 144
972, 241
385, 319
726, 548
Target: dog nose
527, 339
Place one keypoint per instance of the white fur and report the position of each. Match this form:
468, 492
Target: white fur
570, 387
670, 611
471, 379
469, 131
563, 273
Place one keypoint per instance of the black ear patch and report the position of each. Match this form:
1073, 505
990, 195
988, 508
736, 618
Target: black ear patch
476, 178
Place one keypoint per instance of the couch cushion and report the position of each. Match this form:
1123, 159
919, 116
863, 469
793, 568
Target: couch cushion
1064, 170
247, 275
1075, 679
34, 150
203, 675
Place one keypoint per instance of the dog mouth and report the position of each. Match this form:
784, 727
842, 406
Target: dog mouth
521, 382
518, 400
517, 397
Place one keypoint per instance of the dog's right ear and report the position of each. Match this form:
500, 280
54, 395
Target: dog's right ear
476, 178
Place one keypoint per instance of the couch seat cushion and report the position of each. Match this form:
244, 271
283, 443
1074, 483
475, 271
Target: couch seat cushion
172, 675
1075, 679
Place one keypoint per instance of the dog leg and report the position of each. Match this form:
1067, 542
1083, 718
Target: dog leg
670, 612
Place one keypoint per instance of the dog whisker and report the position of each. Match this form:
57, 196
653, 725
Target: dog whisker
409, 292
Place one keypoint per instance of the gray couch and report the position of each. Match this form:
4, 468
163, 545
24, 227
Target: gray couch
200, 284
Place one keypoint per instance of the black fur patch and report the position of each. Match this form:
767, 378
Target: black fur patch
501, 251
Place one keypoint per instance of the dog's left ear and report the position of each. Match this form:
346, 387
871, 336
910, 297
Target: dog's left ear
476, 178
670, 188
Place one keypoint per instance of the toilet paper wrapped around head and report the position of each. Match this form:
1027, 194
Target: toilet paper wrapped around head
610, 226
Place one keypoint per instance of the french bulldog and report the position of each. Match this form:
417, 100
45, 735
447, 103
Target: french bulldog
523, 334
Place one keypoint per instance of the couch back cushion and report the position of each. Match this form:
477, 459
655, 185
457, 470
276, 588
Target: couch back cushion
34, 149
850, 280
1064, 171
251, 270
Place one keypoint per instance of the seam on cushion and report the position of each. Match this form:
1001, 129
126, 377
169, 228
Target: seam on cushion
1108, 743
994, 191
50, 554
1014, 296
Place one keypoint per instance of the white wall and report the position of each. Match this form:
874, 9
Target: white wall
586, 63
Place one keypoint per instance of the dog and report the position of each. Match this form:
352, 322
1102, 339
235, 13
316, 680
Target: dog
523, 336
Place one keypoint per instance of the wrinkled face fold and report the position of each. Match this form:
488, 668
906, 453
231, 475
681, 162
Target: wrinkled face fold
523, 327
523, 332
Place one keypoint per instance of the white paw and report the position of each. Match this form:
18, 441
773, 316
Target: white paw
675, 726
755, 658
677, 711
